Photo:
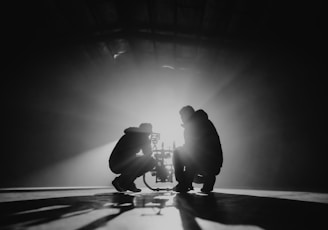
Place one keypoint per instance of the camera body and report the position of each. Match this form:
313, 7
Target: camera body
163, 171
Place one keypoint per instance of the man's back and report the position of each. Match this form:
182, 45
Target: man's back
203, 141
128, 145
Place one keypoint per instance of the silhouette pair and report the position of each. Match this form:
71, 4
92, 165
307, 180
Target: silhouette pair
199, 160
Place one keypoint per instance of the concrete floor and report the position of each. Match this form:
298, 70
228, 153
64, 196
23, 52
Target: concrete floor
103, 208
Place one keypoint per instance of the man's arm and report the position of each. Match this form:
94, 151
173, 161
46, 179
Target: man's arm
146, 149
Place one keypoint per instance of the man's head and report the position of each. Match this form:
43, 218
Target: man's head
186, 112
146, 128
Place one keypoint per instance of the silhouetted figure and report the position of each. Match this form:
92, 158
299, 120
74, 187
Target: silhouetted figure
125, 161
200, 158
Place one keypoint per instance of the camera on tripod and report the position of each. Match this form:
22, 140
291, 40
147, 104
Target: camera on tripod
163, 171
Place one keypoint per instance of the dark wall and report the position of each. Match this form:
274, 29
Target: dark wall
275, 108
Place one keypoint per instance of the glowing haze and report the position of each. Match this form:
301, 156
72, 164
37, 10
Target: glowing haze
74, 116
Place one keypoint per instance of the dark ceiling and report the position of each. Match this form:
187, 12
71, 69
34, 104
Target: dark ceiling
179, 30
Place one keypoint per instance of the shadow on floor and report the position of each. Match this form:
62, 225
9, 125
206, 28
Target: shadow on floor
264, 212
229, 209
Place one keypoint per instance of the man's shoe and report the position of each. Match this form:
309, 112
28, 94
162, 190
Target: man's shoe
206, 190
181, 188
132, 187
117, 185
208, 185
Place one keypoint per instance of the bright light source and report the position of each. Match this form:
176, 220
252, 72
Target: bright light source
166, 121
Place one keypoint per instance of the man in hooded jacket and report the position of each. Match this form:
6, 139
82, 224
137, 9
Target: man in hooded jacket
201, 155
124, 160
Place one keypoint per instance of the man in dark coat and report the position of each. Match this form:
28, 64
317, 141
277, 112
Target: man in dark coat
201, 155
124, 159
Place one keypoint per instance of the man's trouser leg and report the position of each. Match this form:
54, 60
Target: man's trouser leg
136, 168
209, 181
142, 165
184, 169
178, 165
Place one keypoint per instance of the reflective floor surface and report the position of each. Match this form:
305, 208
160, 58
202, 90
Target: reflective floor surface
103, 208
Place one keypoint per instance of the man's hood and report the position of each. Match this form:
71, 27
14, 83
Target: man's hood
131, 130
199, 114
136, 130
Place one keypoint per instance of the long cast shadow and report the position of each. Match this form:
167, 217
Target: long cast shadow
228, 209
264, 212
39, 211
34, 212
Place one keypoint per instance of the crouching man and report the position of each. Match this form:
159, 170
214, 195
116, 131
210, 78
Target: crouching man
125, 161
201, 155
